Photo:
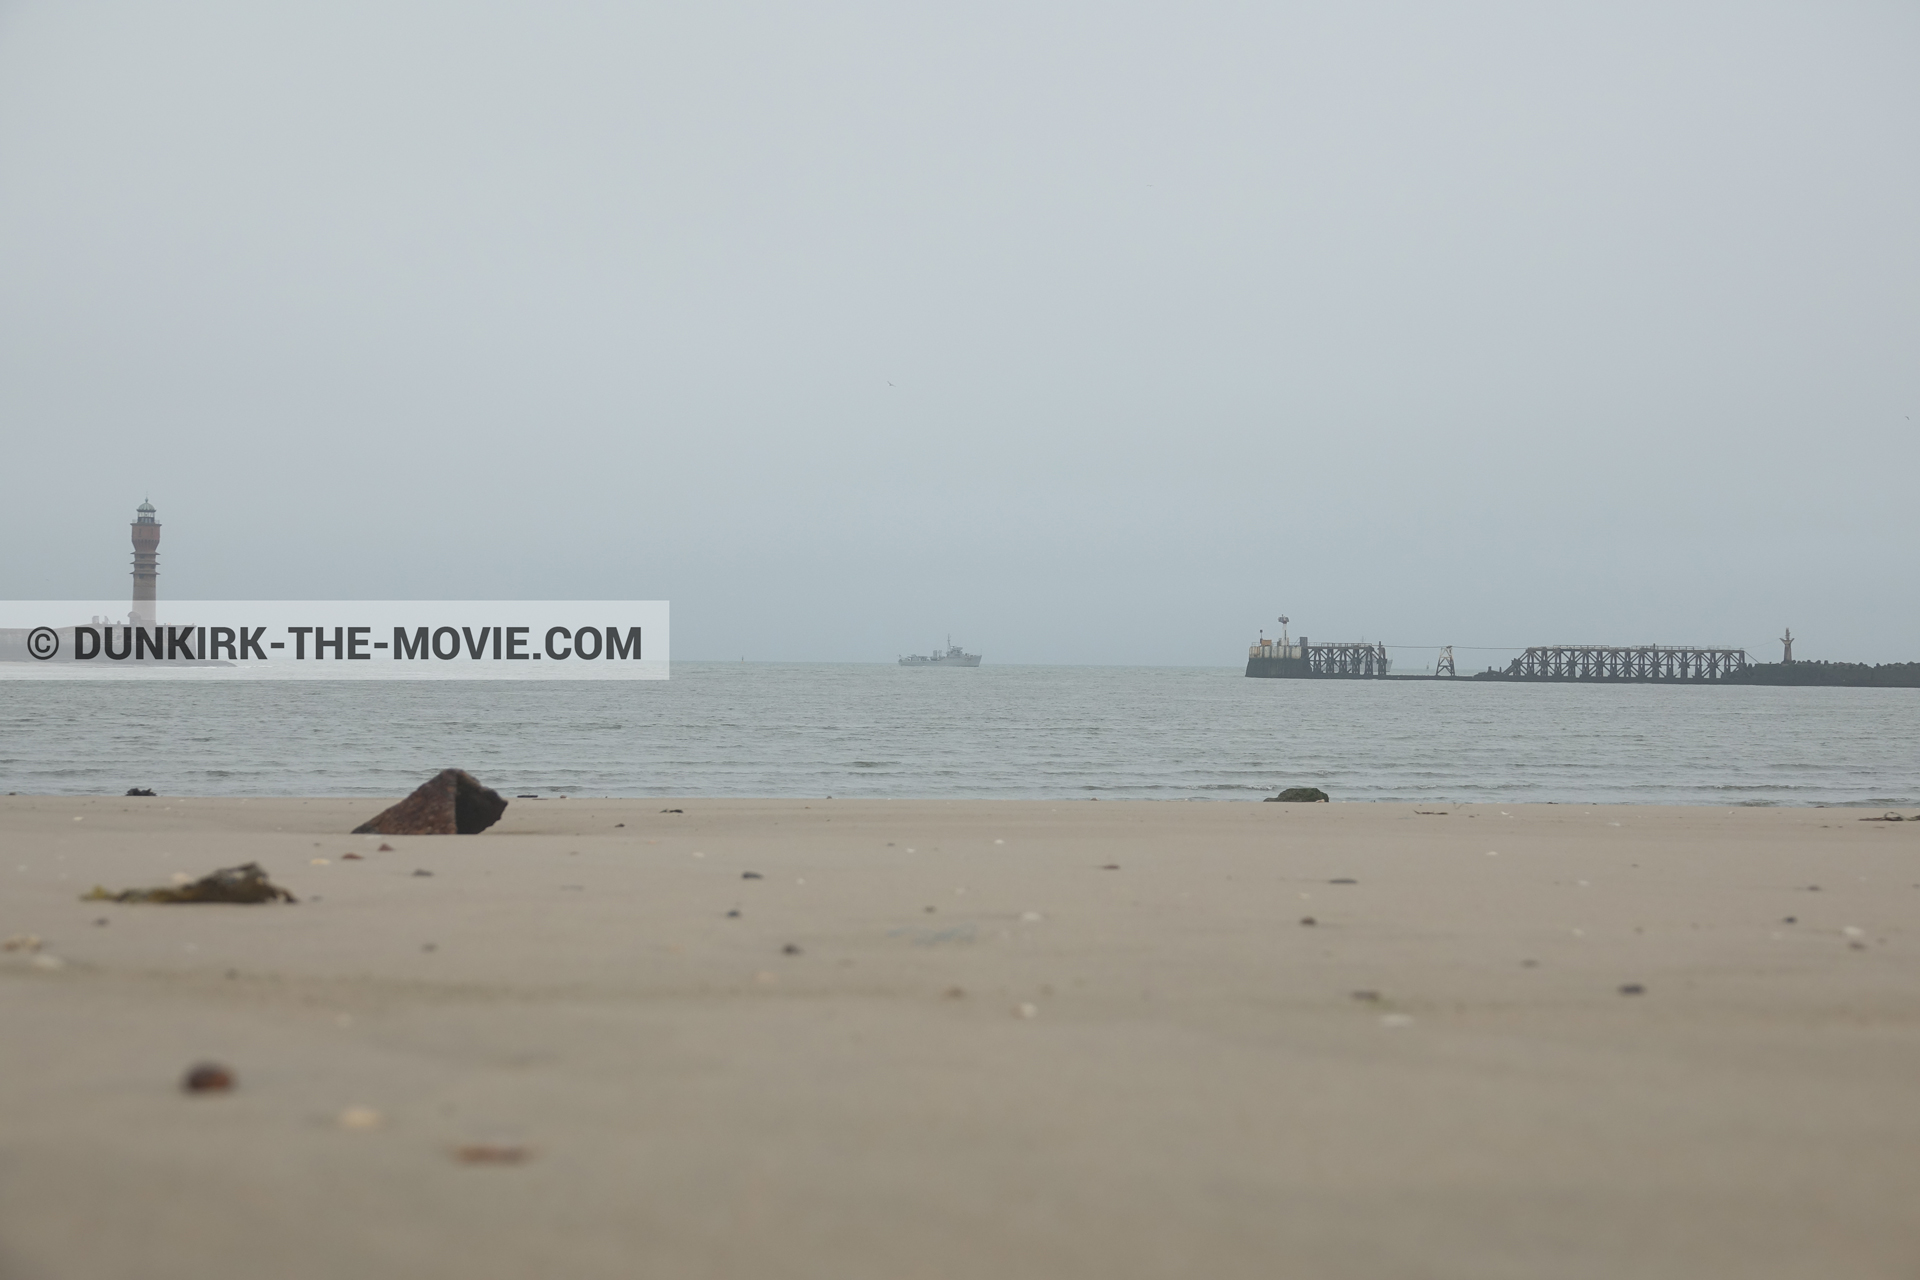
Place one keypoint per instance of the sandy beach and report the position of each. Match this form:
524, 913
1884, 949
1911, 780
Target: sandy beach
972, 1038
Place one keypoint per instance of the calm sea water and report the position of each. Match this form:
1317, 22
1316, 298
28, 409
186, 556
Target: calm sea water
734, 729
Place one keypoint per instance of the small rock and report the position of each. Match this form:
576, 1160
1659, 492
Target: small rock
955, 993
1370, 996
1632, 989
139, 791
207, 1077
1789, 920
1343, 881
1300, 795
1309, 921
790, 950
423, 873
351, 857
452, 802
733, 915
1111, 866
619, 824
384, 848
673, 811
750, 875
490, 1153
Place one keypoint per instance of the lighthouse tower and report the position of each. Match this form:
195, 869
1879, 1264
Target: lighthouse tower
146, 565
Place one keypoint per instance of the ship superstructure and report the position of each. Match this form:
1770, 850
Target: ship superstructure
955, 656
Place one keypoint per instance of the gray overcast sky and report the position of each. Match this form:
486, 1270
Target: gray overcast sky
1091, 332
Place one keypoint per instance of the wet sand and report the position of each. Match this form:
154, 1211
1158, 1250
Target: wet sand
957, 1039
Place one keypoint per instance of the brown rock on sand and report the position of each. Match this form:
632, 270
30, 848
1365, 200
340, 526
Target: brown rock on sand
452, 802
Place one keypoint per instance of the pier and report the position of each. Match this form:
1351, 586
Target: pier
1604, 662
1349, 660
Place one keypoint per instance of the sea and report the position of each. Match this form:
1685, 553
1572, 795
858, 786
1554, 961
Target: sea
1012, 732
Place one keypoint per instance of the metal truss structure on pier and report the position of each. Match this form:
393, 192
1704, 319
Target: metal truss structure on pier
1647, 662
1346, 659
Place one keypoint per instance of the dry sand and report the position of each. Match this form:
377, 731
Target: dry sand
1018, 1039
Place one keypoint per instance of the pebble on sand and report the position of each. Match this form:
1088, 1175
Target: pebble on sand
207, 1077
490, 1153
1309, 921
1632, 989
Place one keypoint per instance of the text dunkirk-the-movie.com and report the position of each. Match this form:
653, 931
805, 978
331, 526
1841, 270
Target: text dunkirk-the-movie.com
377, 639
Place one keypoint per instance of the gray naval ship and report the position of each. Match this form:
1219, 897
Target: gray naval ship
953, 657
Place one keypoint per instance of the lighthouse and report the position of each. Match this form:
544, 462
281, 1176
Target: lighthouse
146, 565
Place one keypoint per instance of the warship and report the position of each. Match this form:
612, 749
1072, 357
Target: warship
953, 657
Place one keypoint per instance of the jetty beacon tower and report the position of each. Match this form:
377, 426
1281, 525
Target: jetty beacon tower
146, 565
